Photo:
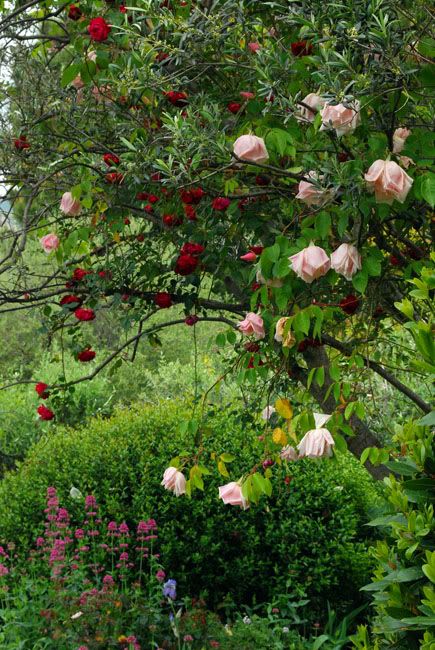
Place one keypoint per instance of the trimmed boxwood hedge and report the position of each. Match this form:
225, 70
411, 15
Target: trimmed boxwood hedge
309, 536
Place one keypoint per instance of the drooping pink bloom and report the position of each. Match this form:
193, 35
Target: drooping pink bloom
310, 263
399, 138
341, 118
231, 494
250, 148
318, 442
49, 242
69, 205
313, 101
312, 193
346, 260
252, 325
174, 481
388, 181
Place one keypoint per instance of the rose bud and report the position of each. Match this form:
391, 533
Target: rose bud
191, 320
41, 389
74, 12
83, 314
86, 355
163, 300
250, 148
45, 413
249, 257
178, 99
220, 203
111, 159
234, 107
349, 304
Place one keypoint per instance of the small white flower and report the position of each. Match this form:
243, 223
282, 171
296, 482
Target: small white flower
75, 493
247, 620
267, 413
286, 630
76, 615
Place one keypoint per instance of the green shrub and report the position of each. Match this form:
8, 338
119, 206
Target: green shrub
309, 534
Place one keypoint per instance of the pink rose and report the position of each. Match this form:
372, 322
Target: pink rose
289, 453
346, 260
399, 139
253, 324
311, 193
174, 481
310, 263
231, 494
317, 442
313, 101
388, 181
250, 148
49, 242
69, 205
341, 118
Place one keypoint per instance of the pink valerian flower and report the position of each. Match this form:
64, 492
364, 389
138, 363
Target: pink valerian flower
3, 570
79, 533
310, 263
160, 575
388, 181
124, 529
346, 261
252, 325
90, 502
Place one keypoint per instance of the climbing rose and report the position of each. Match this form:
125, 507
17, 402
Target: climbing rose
45, 413
69, 299
176, 98
74, 13
250, 148
163, 300
84, 314
349, 304
341, 118
301, 48
315, 102
252, 324
311, 193
231, 494
310, 263
317, 442
249, 257
86, 355
21, 143
186, 264
190, 248
69, 205
192, 196
220, 203
191, 320
174, 481
49, 242
234, 107
346, 261
79, 274
110, 159
388, 181
399, 138
98, 29
41, 389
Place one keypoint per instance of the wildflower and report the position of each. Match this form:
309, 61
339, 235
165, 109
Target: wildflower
169, 589
160, 575
3, 570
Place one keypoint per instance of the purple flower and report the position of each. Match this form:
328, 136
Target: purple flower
169, 589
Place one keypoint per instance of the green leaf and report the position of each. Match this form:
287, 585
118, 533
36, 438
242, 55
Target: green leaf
402, 468
323, 224
360, 281
227, 458
427, 188
69, 74
428, 420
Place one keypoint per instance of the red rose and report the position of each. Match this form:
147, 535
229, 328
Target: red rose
79, 274
186, 264
234, 107
176, 98
21, 143
163, 300
41, 390
301, 48
220, 203
191, 320
152, 198
192, 249
84, 314
192, 196
45, 413
190, 212
70, 299
171, 220
114, 178
256, 249
74, 13
110, 159
148, 208
86, 355
98, 29
349, 304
